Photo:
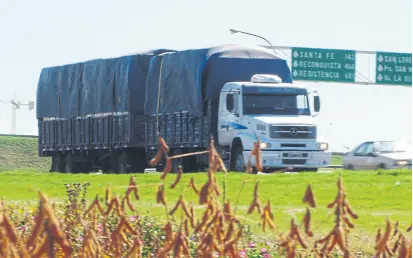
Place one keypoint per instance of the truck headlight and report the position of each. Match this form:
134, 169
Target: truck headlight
323, 146
265, 145
402, 163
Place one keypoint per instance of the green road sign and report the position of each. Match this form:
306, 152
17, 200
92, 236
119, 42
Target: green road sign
315, 64
394, 68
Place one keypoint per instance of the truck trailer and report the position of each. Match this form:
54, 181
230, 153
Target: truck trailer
106, 114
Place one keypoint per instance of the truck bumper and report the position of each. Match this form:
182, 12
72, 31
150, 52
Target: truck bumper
292, 159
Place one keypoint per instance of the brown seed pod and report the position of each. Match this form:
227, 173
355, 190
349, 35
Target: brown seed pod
168, 231
397, 243
256, 189
258, 159
309, 197
249, 167
382, 242
193, 186
178, 177
175, 208
331, 205
220, 164
130, 204
350, 211
107, 195
163, 144
160, 195
168, 167
307, 222
204, 194
227, 210
156, 159
351, 225
255, 204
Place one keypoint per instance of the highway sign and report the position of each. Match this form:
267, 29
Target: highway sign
394, 68
316, 64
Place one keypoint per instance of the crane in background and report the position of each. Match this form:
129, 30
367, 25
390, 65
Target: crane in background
15, 105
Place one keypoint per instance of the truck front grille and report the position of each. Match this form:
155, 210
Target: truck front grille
294, 161
293, 132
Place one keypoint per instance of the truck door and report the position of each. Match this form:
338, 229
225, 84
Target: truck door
228, 117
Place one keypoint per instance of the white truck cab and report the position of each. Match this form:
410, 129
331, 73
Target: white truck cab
279, 115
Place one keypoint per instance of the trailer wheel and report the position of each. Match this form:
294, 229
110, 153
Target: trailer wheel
58, 163
122, 163
68, 163
177, 162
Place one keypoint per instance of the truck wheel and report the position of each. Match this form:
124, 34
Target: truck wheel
177, 162
239, 164
68, 163
58, 164
122, 163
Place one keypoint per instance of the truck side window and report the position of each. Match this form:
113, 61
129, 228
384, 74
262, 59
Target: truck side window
230, 102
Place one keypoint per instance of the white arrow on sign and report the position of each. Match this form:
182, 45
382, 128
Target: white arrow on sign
380, 58
380, 78
295, 64
295, 54
295, 73
380, 68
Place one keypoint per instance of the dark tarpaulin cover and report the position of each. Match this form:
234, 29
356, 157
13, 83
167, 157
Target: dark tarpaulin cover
192, 76
47, 93
96, 86
130, 76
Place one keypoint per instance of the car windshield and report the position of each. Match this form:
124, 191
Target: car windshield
390, 147
257, 104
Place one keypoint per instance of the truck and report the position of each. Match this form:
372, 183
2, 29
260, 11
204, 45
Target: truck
107, 114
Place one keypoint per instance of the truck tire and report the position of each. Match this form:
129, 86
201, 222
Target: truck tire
122, 166
239, 163
72, 166
68, 163
58, 164
177, 162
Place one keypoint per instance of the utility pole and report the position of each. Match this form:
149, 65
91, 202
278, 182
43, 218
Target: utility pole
15, 106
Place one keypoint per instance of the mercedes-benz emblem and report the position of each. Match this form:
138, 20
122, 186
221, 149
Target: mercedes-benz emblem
293, 131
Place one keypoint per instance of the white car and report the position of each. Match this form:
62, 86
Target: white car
379, 155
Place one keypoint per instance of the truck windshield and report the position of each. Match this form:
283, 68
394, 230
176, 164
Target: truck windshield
256, 104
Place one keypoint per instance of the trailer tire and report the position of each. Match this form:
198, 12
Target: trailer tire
122, 166
58, 163
68, 163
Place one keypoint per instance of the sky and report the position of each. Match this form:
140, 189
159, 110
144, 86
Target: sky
37, 34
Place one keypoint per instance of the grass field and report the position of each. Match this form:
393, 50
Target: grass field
374, 195
20, 153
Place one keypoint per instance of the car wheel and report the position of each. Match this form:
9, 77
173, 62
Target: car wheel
350, 167
382, 166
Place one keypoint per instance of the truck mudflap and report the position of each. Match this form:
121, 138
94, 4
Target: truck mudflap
293, 159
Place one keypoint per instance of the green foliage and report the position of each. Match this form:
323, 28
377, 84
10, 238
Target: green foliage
20, 153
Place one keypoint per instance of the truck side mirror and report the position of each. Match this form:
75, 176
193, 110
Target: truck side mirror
317, 103
230, 102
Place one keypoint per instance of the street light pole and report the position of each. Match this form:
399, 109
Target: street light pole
254, 35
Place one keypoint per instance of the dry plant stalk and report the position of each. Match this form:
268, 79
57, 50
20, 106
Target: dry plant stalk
382, 241
255, 202
289, 242
338, 236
